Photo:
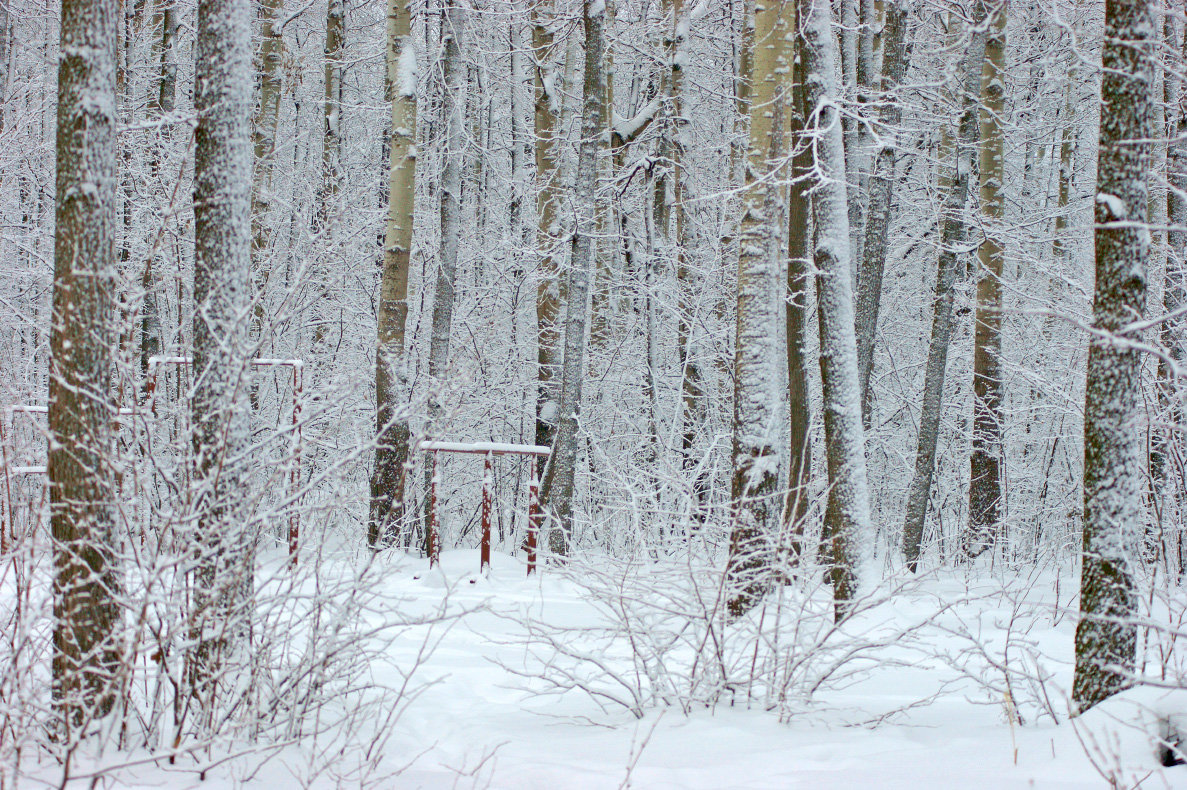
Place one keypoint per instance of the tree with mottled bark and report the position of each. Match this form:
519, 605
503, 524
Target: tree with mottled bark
1106, 636
391, 363
224, 542
986, 494
82, 478
754, 487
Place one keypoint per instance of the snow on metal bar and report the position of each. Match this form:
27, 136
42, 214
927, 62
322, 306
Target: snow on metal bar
498, 448
263, 362
26, 470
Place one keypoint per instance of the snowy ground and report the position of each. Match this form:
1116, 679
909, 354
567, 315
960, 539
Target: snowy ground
478, 724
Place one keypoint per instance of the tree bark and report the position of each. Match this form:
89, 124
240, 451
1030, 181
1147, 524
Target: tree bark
222, 302
1106, 636
754, 501
82, 479
953, 234
391, 364
847, 514
881, 197
557, 489
986, 497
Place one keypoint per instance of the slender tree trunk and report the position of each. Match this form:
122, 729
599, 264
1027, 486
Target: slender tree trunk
82, 487
548, 289
869, 283
1106, 637
986, 497
391, 365
556, 492
847, 515
264, 124
952, 236
754, 503
799, 253
222, 302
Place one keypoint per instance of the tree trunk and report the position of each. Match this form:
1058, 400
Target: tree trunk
754, 501
82, 487
222, 303
847, 515
985, 465
267, 113
548, 288
952, 237
869, 283
391, 365
556, 492
799, 252
1106, 636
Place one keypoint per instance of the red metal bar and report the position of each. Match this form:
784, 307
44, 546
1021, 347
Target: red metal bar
433, 539
534, 519
487, 481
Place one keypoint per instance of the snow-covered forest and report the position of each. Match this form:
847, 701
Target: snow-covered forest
593, 393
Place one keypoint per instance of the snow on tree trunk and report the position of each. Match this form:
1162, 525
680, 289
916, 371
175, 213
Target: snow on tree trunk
873, 265
391, 365
799, 253
952, 236
847, 515
222, 301
267, 113
1106, 636
754, 501
82, 485
556, 492
985, 464
548, 87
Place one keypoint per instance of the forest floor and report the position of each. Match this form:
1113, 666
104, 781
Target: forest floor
943, 682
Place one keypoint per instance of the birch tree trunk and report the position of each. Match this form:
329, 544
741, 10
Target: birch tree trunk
881, 198
454, 73
263, 135
847, 515
391, 365
952, 235
1106, 636
556, 491
754, 503
548, 289
985, 463
82, 480
222, 303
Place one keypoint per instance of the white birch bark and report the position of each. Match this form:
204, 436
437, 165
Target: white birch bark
754, 501
391, 364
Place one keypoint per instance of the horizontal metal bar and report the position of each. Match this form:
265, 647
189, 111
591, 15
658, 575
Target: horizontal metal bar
482, 448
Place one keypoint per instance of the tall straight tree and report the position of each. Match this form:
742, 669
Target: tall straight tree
391, 365
557, 489
953, 233
86, 655
877, 227
754, 504
847, 514
1106, 636
222, 304
548, 87
985, 462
